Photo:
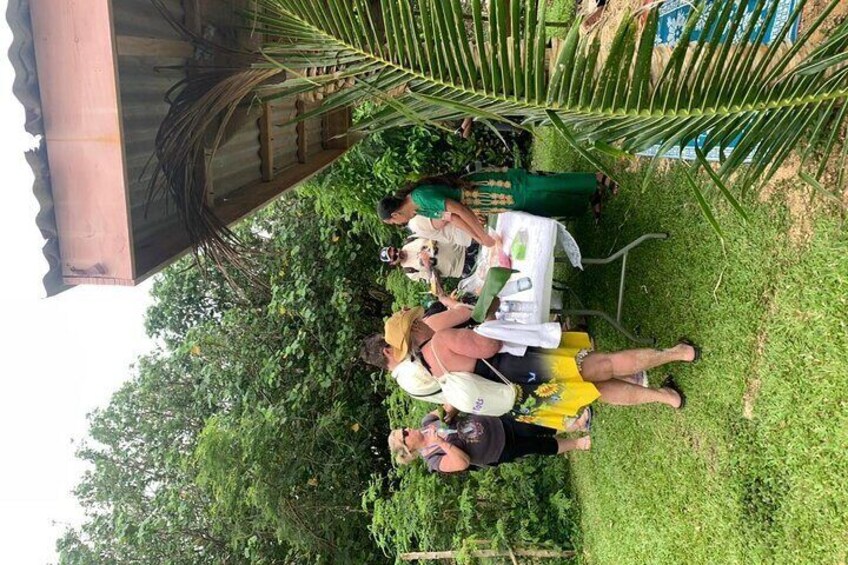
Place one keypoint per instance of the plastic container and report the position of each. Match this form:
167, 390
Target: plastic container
516, 306
512, 287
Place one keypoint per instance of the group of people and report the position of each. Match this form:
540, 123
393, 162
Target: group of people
505, 389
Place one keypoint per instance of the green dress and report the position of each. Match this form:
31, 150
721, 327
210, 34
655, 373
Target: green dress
501, 190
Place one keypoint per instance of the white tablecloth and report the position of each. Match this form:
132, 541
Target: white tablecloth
543, 235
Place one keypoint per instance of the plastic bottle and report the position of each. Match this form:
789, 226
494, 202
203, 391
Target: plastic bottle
520, 285
516, 306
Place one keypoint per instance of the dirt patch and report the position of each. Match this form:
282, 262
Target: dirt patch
750, 396
802, 212
811, 12
802, 208
706, 450
801, 203
788, 171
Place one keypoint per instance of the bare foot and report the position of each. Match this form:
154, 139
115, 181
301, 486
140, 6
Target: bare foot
674, 398
687, 352
583, 444
579, 444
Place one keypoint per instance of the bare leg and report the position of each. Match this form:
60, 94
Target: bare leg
604, 366
579, 444
639, 378
620, 393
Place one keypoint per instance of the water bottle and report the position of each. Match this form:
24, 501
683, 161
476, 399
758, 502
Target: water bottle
444, 432
512, 306
522, 284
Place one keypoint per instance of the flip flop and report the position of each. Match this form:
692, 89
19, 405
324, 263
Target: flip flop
587, 427
606, 189
690, 343
670, 383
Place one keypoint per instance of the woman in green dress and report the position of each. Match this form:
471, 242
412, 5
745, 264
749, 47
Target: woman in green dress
463, 200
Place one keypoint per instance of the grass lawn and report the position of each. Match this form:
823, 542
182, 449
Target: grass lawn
754, 469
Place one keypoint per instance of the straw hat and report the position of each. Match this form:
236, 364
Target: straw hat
397, 330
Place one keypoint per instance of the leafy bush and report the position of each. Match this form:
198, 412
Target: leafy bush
523, 503
252, 434
385, 161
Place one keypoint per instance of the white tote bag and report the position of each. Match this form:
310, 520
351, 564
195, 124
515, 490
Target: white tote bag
472, 394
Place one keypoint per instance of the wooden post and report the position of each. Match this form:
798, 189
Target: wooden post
300, 128
133, 46
266, 143
444, 555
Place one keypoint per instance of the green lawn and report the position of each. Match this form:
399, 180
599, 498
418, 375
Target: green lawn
754, 469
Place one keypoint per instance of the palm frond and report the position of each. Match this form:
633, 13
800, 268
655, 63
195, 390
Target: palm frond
764, 100
726, 83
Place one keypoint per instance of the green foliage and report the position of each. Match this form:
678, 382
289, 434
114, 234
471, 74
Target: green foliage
251, 435
186, 296
405, 291
385, 161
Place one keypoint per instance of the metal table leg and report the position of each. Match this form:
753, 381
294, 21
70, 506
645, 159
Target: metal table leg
622, 254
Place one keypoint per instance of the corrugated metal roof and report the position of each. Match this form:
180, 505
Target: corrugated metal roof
25, 87
144, 81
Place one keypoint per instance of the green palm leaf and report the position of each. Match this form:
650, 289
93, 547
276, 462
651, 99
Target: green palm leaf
767, 100
494, 77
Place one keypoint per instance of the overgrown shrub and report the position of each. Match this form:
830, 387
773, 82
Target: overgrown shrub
250, 437
385, 161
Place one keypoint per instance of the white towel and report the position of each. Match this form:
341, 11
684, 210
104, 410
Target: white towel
517, 337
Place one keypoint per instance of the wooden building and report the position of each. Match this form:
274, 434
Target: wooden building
93, 76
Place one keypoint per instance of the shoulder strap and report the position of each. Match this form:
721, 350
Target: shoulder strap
498, 373
436, 355
489, 365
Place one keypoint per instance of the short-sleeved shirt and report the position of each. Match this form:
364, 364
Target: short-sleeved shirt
449, 233
481, 437
449, 259
430, 199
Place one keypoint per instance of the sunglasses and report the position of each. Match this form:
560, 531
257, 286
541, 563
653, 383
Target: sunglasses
404, 434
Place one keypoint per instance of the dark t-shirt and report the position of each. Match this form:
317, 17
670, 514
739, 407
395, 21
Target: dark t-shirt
481, 437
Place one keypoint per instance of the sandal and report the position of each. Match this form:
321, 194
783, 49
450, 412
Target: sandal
690, 343
606, 189
671, 384
586, 427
